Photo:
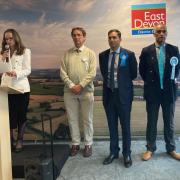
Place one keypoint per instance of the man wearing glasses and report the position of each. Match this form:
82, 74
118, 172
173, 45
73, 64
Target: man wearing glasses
159, 67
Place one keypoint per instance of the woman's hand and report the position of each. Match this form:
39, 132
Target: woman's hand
5, 55
11, 74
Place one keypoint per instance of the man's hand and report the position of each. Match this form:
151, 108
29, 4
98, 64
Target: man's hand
76, 89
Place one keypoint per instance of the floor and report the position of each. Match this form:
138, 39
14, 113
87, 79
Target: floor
160, 167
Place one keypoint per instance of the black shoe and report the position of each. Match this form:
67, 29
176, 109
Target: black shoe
127, 161
110, 159
19, 146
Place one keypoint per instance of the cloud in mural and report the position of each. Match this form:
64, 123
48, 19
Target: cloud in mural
45, 25
10, 4
77, 6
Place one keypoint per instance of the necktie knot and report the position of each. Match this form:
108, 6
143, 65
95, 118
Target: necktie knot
114, 53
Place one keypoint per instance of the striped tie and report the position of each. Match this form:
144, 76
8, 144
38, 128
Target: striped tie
112, 71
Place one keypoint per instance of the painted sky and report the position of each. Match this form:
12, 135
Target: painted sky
45, 25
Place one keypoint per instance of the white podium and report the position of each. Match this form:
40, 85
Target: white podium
5, 148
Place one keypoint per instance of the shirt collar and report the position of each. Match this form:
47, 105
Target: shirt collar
158, 46
80, 49
117, 51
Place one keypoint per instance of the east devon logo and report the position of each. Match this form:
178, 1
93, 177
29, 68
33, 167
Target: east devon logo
145, 16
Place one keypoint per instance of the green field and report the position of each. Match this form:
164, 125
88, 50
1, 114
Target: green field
44, 89
51, 103
138, 119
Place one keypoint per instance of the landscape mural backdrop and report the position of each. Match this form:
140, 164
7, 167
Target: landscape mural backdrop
45, 28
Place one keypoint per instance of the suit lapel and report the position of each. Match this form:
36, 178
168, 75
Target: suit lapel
154, 58
106, 61
167, 57
119, 62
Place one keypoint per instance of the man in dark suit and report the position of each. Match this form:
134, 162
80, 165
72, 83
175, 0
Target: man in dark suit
159, 68
118, 67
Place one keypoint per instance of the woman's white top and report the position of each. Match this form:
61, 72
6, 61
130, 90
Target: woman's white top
21, 64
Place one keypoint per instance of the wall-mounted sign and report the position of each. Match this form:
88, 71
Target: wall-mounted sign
146, 16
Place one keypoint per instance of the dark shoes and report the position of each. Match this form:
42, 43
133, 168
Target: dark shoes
74, 150
19, 146
87, 152
127, 161
110, 159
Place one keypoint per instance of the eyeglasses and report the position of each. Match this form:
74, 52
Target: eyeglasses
160, 31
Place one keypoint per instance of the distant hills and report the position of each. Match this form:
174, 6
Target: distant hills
54, 74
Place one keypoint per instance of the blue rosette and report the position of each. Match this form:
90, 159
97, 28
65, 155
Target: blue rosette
123, 57
173, 61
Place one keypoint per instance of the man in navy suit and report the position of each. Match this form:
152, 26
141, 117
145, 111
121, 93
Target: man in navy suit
118, 67
159, 68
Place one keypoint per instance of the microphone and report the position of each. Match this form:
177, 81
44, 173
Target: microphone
7, 48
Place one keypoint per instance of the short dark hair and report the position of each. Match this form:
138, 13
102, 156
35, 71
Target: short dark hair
115, 30
80, 29
19, 46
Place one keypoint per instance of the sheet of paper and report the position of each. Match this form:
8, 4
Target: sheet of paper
11, 90
4, 67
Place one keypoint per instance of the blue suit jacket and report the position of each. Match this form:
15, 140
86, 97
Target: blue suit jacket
126, 73
149, 71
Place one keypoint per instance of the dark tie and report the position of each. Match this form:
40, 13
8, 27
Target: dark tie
111, 83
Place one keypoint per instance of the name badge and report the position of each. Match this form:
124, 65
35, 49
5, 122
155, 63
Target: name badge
86, 63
